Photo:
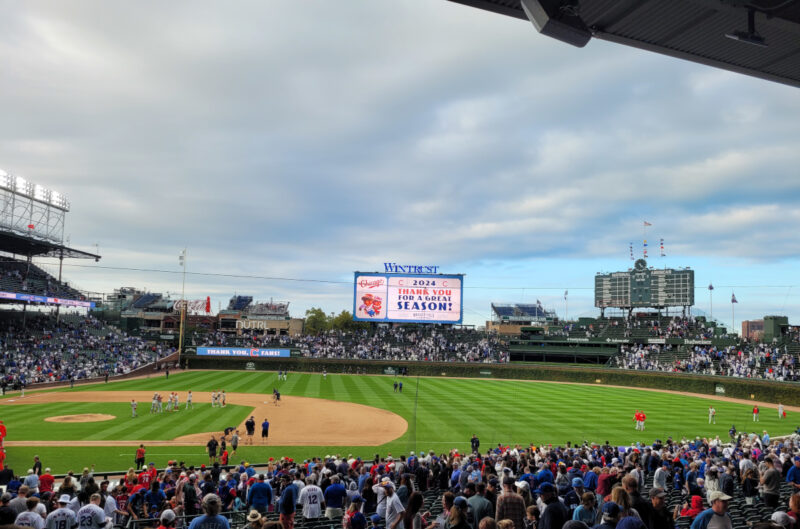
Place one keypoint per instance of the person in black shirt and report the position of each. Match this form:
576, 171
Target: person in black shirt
212, 449
7, 514
250, 426
475, 443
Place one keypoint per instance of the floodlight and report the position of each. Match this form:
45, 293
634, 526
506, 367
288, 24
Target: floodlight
6, 181
22, 186
41, 193
559, 20
750, 36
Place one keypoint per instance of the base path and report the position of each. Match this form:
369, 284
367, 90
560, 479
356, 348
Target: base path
298, 421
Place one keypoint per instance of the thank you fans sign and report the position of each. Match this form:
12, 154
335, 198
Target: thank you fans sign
424, 298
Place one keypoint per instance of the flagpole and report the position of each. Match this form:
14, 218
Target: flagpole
733, 320
183, 304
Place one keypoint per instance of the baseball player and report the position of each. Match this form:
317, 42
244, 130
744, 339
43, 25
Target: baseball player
160, 403
169, 402
755, 413
92, 516
213, 399
177, 406
154, 404
63, 517
781, 412
189, 404
133, 408
223, 397
324, 374
712, 415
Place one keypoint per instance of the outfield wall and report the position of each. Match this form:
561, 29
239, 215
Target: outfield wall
759, 390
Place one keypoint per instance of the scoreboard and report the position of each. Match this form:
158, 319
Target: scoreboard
644, 287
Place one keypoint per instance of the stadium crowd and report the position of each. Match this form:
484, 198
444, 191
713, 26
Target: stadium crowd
746, 360
398, 343
47, 350
698, 483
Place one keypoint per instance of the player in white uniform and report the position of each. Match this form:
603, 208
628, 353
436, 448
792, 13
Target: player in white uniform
62, 518
134, 404
780, 411
92, 516
213, 399
177, 403
154, 404
311, 498
189, 404
712, 415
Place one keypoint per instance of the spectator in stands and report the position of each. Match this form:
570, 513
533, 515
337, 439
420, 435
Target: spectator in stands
458, 514
287, 502
555, 513
210, 519
335, 496
259, 495
610, 517
717, 515
658, 516
511, 506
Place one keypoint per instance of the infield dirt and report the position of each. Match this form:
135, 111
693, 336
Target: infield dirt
297, 421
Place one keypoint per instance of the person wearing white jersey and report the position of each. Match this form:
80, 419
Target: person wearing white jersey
61, 518
92, 516
312, 499
30, 518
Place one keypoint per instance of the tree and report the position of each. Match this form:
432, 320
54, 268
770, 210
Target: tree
316, 321
344, 322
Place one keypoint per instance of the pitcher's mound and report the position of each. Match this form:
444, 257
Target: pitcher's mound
81, 417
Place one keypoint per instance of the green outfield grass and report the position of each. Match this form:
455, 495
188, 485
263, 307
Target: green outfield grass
448, 412
29, 424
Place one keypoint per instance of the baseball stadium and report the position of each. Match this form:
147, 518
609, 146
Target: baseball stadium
135, 409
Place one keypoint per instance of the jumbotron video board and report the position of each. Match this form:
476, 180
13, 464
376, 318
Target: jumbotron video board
417, 298
644, 287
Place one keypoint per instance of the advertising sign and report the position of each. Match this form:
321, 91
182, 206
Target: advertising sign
243, 351
46, 299
423, 298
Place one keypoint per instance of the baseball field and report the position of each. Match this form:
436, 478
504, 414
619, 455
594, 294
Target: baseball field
346, 414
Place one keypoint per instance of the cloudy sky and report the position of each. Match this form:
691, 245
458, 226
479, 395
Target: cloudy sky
307, 140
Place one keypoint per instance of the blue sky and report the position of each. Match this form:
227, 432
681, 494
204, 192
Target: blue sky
275, 139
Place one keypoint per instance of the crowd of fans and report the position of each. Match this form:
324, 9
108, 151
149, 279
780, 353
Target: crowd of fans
747, 360
660, 486
76, 347
398, 343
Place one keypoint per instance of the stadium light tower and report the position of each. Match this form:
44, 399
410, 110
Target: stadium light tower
182, 261
31, 210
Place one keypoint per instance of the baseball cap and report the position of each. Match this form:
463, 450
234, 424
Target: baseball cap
376, 518
167, 516
545, 488
718, 495
631, 522
657, 492
522, 485
782, 518
610, 508
64, 498
460, 502
5, 497
494, 482
577, 482
357, 499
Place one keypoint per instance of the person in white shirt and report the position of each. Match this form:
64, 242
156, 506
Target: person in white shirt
30, 518
92, 516
394, 509
312, 499
62, 518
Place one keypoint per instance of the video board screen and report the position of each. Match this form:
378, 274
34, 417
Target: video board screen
419, 298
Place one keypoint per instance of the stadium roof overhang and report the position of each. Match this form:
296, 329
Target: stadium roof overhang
758, 37
20, 245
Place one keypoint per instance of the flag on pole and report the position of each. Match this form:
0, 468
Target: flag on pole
208, 304
662, 248
631, 247
647, 223
538, 302
710, 286
30, 226
182, 258
733, 298
565, 294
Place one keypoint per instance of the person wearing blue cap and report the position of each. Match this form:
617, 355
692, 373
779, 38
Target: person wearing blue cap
354, 518
573, 498
610, 517
375, 521
555, 514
